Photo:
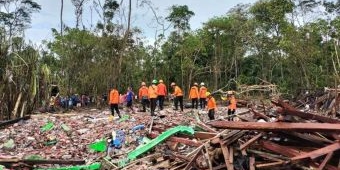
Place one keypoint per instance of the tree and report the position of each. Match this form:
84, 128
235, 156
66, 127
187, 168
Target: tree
179, 16
79, 5
17, 15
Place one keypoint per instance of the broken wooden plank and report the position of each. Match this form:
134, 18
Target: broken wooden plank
204, 135
287, 109
252, 163
193, 158
251, 141
269, 156
185, 141
226, 153
269, 165
324, 162
278, 126
205, 127
290, 152
231, 155
283, 150
309, 137
317, 153
261, 115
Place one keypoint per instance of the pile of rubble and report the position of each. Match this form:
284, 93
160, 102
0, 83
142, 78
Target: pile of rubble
276, 136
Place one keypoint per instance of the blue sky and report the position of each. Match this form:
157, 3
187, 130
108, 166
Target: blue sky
142, 17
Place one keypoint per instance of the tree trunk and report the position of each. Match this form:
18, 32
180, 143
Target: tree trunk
125, 38
17, 103
61, 17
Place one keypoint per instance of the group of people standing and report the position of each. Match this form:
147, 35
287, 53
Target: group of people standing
157, 92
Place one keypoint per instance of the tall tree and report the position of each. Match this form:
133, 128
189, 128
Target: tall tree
16, 15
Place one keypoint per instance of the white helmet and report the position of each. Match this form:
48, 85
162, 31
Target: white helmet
202, 83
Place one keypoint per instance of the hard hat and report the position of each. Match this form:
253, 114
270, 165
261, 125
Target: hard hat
143, 84
202, 83
173, 84
230, 92
195, 84
207, 93
161, 81
154, 81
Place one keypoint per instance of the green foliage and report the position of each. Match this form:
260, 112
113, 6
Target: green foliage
180, 16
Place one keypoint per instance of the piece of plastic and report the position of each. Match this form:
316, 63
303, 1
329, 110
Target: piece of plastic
125, 117
144, 148
138, 127
99, 146
94, 166
47, 127
65, 127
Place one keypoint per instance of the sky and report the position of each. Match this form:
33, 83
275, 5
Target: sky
142, 17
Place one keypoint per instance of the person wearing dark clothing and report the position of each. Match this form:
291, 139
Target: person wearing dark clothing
129, 98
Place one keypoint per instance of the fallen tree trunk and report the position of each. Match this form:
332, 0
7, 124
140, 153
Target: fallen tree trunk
3, 124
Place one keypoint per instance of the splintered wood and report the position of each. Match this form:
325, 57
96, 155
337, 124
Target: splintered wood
264, 137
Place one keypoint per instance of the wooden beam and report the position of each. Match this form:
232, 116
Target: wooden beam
287, 151
283, 150
324, 162
261, 115
287, 109
268, 165
251, 141
226, 156
278, 126
193, 158
317, 153
231, 155
179, 140
252, 163
205, 127
204, 135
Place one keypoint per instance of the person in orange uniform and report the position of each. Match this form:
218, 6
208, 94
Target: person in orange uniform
193, 95
143, 95
178, 94
162, 91
211, 106
114, 101
232, 103
153, 96
202, 96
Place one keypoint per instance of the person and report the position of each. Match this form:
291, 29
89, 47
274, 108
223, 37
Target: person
153, 97
202, 96
232, 104
193, 95
211, 106
143, 95
178, 94
114, 101
161, 91
129, 98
